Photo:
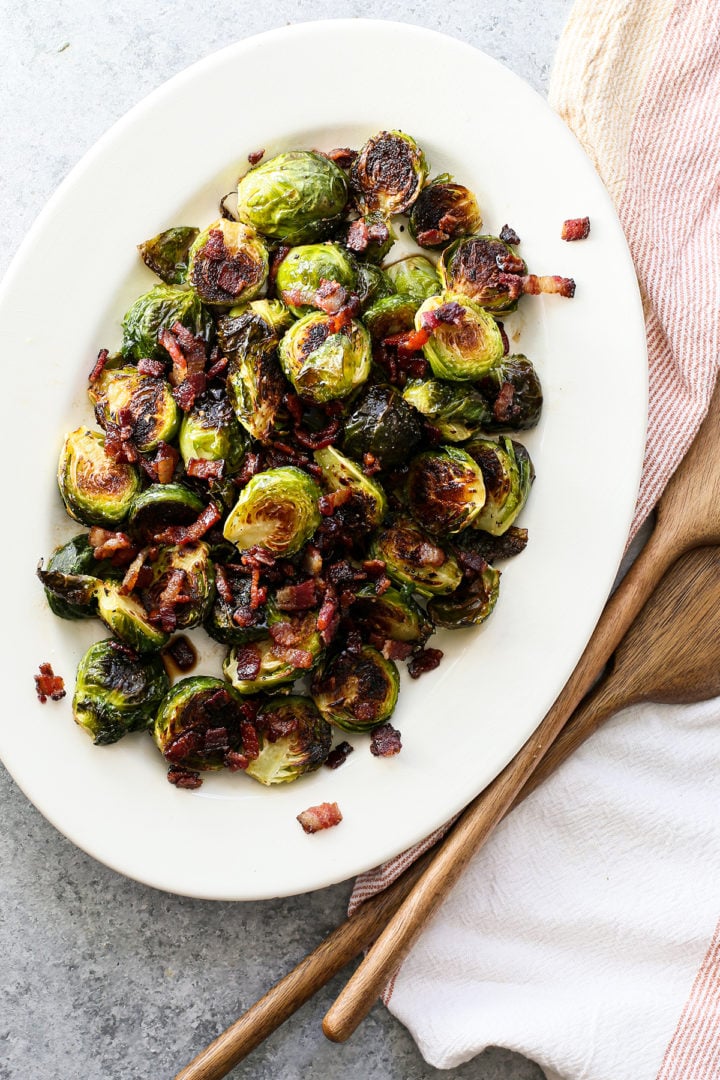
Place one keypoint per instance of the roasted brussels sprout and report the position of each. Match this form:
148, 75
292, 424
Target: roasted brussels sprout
464, 343
392, 615
162, 505
266, 662
157, 310
390, 315
384, 425
297, 197
117, 691
167, 254
187, 569
198, 722
513, 389
96, 489
446, 491
73, 558
255, 383
372, 284
388, 174
233, 596
414, 560
210, 432
272, 312
341, 474
127, 618
356, 692
324, 365
492, 548
294, 739
414, 276
457, 410
228, 264
126, 396
277, 510
481, 267
304, 269
442, 212
508, 473
470, 604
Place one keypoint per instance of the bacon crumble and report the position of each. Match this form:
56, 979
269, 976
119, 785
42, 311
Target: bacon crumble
317, 818
339, 755
575, 229
385, 741
49, 685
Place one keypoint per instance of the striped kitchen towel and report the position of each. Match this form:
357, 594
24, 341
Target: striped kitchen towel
585, 934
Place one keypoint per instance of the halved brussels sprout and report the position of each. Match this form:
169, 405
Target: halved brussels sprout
266, 662
210, 432
277, 510
76, 557
162, 505
446, 491
272, 312
464, 343
198, 722
190, 568
117, 691
234, 596
470, 604
146, 401
388, 173
393, 615
297, 197
128, 620
478, 267
294, 739
457, 410
228, 263
382, 424
414, 276
390, 315
157, 310
414, 560
324, 365
372, 284
514, 391
508, 473
167, 253
357, 691
301, 272
341, 474
96, 489
255, 383
444, 211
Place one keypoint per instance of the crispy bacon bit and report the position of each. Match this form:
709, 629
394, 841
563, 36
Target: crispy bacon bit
205, 470
187, 352
275, 259
432, 237
575, 229
256, 155
343, 156
329, 615
286, 633
451, 313
165, 462
339, 755
184, 778
133, 573
502, 409
186, 392
503, 335
382, 585
328, 504
371, 465
182, 653
472, 563
300, 597
411, 341
216, 738
312, 560
330, 296
318, 440
257, 556
217, 368
298, 658
247, 661
252, 464
385, 741
188, 534
533, 285
396, 650
508, 235
258, 592
358, 236
116, 546
223, 584
235, 761
250, 742
102, 359
424, 660
119, 443
345, 315
49, 685
155, 368
320, 817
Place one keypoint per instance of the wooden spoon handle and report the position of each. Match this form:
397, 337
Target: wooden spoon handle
481, 816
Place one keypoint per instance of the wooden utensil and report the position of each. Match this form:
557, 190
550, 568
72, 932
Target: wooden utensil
688, 516
671, 653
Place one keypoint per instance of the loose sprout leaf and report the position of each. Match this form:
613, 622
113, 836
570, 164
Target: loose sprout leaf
167, 253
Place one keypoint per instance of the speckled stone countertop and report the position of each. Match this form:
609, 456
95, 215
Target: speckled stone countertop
102, 978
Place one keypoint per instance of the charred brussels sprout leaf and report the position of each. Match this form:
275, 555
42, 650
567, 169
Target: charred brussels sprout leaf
442, 212
340, 474
457, 410
127, 619
390, 315
415, 277
508, 473
162, 505
393, 615
304, 270
277, 510
187, 570
479, 267
124, 395
289, 649
167, 253
324, 365
491, 548
470, 604
210, 432
384, 425
255, 383
157, 310
235, 596
514, 391
388, 173
464, 343
117, 691
414, 560
446, 491
198, 722
228, 264
357, 692
297, 197
96, 489
372, 284
76, 558
272, 312
294, 739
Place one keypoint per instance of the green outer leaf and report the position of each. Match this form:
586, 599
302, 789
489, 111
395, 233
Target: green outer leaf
115, 693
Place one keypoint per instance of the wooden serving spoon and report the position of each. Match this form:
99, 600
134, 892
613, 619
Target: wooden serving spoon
671, 654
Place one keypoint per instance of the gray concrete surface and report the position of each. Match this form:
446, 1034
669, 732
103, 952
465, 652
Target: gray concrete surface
102, 978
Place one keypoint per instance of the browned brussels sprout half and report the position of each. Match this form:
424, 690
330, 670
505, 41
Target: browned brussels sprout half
484, 269
388, 174
158, 310
210, 432
297, 197
372, 284
455, 409
513, 388
228, 264
356, 692
277, 510
76, 557
443, 212
414, 276
185, 571
167, 253
162, 505
509, 474
289, 649
307, 275
392, 615
340, 474
255, 383
96, 489
117, 691
382, 424
198, 723
231, 619
464, 341
446, 491
293, 737
324, 364
470, 604
390, 315
126, 396
414, 560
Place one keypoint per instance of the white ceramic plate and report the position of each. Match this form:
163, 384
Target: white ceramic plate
167, 162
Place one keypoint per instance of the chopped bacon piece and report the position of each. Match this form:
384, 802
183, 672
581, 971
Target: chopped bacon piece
323, 816
508, 235
385, 741
424, 660
312, 560
330, 296
533, 285
187, 352
358, 236
252, 464
188, 534
275, 259
432, 237
186, 392
184, 778
510, 263
49, 685
102, 359
223, 584
344, 316
409, 342
287, 633
575, 229
182, 653
451, 313
300, 597
216, 739
343, 156
119, 444
318, 440
205, 470
258, 592
298, 658
133, 573
235, 761
339, 755
371, 465
156, 368
256, 155
165, 462
250, 741
328, 504
217, 368
247, 661
503, 335
188, 743
116, 546
329, 615
396, 650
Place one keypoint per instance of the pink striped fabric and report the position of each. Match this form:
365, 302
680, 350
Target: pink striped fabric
670, 211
